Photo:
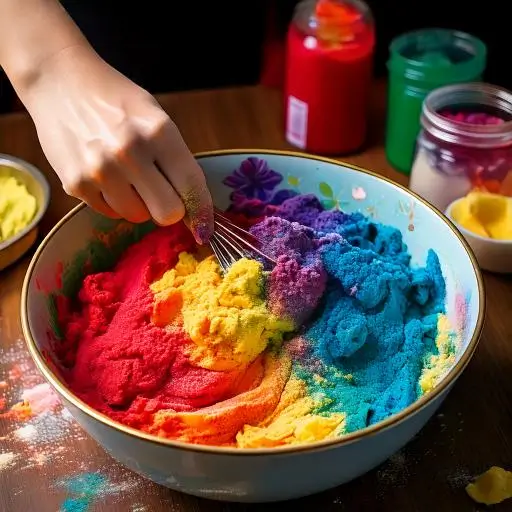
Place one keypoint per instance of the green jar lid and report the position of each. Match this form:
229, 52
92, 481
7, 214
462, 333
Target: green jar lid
438, 56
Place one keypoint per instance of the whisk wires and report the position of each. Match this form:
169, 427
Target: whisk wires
230, 243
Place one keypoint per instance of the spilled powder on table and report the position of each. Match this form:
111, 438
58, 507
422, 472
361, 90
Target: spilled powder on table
339, 504
83, 490
394, 472
398, 470
44, 439
41, 399
7, 459
137, 507
459, 478
35, 424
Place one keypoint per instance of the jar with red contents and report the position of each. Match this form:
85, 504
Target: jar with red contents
329, 60
465, 143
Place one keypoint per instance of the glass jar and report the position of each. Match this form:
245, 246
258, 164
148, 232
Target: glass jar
329, 63
420, 62
465, 143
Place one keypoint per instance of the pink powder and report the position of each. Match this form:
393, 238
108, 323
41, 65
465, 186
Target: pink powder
298, 262
41, 399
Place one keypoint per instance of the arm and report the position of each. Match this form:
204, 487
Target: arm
108, 140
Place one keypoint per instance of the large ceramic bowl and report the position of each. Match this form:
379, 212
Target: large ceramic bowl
266, 474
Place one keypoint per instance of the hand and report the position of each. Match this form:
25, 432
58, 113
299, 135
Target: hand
113, 146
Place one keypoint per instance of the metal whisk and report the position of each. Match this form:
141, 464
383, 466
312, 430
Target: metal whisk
230, 242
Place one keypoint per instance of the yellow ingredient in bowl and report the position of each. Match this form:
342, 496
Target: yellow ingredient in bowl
491, 488
17, 207
487, 215
225, 317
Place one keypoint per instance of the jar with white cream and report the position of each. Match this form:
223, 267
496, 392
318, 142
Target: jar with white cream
465, 143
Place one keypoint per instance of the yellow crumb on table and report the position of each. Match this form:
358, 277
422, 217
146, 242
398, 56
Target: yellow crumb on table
492, 487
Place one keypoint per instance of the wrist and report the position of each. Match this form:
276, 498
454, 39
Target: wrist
65, 65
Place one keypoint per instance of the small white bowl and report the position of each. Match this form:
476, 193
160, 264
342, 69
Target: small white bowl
492, 255
15, 247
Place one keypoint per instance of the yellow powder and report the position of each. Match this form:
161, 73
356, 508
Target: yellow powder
17, 207
488, 215
441, 362
292, 422
225, 317
491, 488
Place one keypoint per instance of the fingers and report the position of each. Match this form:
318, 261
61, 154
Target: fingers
145, 171
118, 193
126, 202
89, 194
177, 163
133, 163
97, 202
162, 201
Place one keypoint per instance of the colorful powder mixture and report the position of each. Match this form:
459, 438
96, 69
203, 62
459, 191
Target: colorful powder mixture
341, 334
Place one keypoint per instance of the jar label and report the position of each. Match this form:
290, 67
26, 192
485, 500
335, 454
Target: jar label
297, 122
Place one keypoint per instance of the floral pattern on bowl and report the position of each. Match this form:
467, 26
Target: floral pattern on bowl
257, 191
255, 188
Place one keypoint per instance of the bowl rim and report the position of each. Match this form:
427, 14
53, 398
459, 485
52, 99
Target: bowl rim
467, 232
371, 430
22, 165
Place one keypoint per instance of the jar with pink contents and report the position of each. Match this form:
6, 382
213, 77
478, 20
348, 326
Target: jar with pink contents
465, 143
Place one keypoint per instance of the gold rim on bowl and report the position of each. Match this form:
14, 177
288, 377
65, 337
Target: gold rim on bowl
389, 422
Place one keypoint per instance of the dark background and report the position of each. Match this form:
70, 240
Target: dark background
171, 46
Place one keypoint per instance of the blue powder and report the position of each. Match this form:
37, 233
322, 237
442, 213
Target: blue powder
83, 491
377, 322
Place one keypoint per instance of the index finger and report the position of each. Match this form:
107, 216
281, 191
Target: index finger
177, 163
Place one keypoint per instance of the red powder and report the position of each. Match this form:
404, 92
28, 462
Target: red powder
121, 363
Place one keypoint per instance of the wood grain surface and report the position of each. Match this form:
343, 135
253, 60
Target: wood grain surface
55, 466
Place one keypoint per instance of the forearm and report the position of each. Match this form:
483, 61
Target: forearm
32, 33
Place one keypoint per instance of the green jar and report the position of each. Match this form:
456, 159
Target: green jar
420, 62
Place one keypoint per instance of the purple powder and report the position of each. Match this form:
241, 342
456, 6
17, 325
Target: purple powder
298, 301
282, 237
303, 209
329, 221
298, 262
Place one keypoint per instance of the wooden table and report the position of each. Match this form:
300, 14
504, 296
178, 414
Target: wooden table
472, 432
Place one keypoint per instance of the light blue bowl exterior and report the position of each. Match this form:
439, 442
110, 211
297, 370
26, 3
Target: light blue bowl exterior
272, 475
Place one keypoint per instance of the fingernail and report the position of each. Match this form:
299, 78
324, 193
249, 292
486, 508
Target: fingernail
202, 233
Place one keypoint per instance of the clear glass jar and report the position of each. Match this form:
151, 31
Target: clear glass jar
454, 157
